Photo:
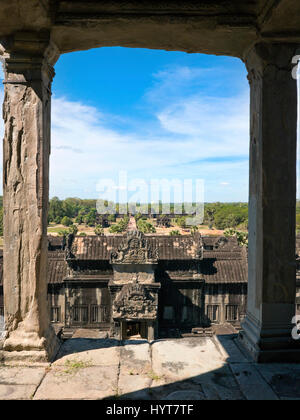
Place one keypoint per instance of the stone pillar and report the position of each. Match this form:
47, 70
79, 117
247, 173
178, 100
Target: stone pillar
151, 331
123, 330
272, 199
28, 60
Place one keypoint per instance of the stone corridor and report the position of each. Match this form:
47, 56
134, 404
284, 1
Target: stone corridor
195, 368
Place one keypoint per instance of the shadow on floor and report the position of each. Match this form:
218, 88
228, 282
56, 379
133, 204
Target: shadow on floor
237, 377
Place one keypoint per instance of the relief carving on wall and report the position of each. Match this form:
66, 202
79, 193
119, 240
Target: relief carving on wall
134, 301
134, 249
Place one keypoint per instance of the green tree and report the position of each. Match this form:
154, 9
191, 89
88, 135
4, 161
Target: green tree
242, 237
56, 211
99, 230
73, 229
111, 218
194, 229
174, 233
91, 218
209, 214
63, 232
138, 216
121, 226
66, 221
181, 221
145, 227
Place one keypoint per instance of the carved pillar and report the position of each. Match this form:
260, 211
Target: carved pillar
272, 199
28, 61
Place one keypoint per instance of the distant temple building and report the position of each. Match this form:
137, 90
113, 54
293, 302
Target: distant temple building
154, 286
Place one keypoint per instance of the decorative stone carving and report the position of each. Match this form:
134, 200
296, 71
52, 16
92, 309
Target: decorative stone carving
134, 249
136, 302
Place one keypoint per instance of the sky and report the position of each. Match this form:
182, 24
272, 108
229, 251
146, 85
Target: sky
153, 114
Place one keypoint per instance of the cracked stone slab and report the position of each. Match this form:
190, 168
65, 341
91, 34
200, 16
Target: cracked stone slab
96, 352
21, 375
163, 388
135, 370
17, 392
230, 350
185, 358
95, 382
219, 384
135, 357
134, 387
283, 378
251, 383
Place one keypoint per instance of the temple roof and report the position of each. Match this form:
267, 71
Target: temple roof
224, 261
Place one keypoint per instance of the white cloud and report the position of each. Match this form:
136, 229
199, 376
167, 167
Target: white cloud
84, 149
189, 132
219, 126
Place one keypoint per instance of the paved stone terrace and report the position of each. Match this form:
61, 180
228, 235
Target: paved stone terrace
188, 368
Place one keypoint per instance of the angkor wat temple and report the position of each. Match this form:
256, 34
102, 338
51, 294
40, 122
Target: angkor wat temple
148, 285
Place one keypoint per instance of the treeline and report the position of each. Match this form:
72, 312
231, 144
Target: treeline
216, 215
226, 215
76, 210
83, 211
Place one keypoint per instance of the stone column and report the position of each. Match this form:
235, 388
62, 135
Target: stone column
272, 199
151, 331
28, 60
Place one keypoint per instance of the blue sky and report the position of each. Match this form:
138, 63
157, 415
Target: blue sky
154, 114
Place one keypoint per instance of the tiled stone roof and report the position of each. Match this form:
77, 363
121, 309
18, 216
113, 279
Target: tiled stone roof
224, 261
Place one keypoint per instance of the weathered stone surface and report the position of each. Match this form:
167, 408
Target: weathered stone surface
78, 378
251, 383
19, 383
21, 375
24, 358
283, 378
96, 382
162, 387
272, 203
16, 392
134, 386
231, 352
185, 358
91, 334
26, 111
135, 356
135, 370
217, 27
92, 351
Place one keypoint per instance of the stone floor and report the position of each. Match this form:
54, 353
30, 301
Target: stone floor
195, 368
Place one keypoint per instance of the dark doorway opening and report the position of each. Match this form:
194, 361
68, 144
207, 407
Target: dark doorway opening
133, 329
